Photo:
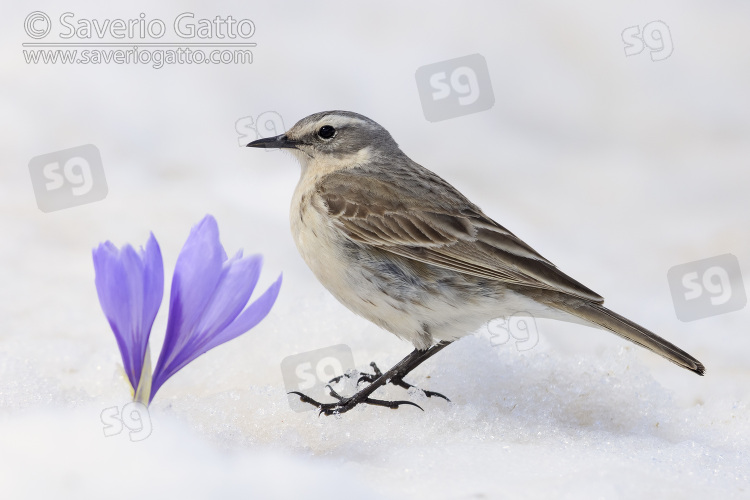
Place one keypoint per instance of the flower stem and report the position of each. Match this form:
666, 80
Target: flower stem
143, 393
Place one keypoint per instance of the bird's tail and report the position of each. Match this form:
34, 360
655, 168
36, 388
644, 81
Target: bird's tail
619, 325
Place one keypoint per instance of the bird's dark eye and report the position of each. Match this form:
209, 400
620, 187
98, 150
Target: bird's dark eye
326, 132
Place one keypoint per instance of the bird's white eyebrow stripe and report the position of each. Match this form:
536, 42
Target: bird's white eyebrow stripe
336, 121
339, 121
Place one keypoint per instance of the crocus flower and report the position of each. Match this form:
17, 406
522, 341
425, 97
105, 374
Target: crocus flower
130, 286
208, 298
208, 303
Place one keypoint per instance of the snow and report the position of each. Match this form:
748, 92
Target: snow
615, 168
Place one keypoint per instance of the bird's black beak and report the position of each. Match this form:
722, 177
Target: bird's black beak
280, 141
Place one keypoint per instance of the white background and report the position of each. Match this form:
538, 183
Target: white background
615, 168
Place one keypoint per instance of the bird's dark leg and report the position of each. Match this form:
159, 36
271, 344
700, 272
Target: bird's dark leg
394, 375
398, 379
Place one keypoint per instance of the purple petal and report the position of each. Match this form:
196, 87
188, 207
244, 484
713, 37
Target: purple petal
153, 283
250, 317
130, 286
234, 289
197, 273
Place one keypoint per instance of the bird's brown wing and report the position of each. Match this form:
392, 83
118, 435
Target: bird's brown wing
428, 220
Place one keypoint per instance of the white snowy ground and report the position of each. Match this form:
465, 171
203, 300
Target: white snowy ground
616, 168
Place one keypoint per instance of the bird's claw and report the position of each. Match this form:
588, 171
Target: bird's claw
371, 377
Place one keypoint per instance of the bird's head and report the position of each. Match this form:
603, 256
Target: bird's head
333, 140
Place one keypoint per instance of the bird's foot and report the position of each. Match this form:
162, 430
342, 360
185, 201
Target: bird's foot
345, 404
372, 377
376, 380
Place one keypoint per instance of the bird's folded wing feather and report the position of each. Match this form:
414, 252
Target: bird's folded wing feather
431, 222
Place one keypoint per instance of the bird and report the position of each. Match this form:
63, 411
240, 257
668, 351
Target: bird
400, 246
